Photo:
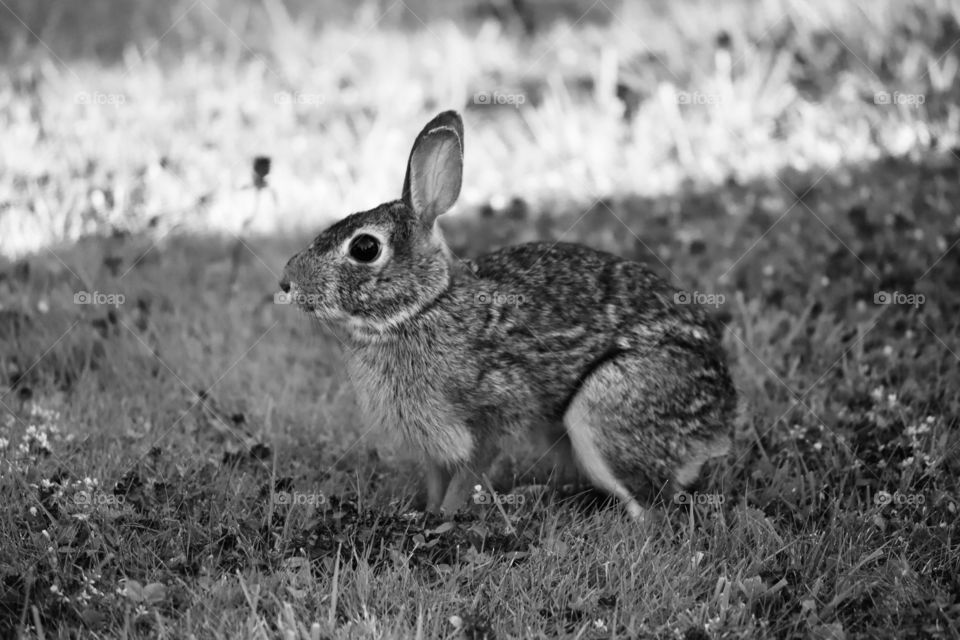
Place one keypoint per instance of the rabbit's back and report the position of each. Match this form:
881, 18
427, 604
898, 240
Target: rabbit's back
562, 289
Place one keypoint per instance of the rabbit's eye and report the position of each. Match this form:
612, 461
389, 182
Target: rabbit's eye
364, 248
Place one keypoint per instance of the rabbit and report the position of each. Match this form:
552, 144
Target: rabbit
594, 356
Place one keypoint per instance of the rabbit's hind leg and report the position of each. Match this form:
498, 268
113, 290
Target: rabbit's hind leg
642, 424
581, 421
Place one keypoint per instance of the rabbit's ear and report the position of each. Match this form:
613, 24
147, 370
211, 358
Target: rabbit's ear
435, 168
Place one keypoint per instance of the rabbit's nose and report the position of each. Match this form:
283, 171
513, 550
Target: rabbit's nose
290, 275
287, 279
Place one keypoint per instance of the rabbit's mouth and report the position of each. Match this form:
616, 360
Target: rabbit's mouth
304, 300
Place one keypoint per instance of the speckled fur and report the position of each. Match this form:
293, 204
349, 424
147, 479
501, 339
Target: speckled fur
456, 354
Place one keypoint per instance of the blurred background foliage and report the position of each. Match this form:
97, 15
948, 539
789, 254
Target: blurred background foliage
147, 115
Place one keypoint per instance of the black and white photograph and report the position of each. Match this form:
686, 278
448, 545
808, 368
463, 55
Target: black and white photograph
479, 319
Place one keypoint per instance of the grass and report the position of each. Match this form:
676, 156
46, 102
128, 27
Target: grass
190, 460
